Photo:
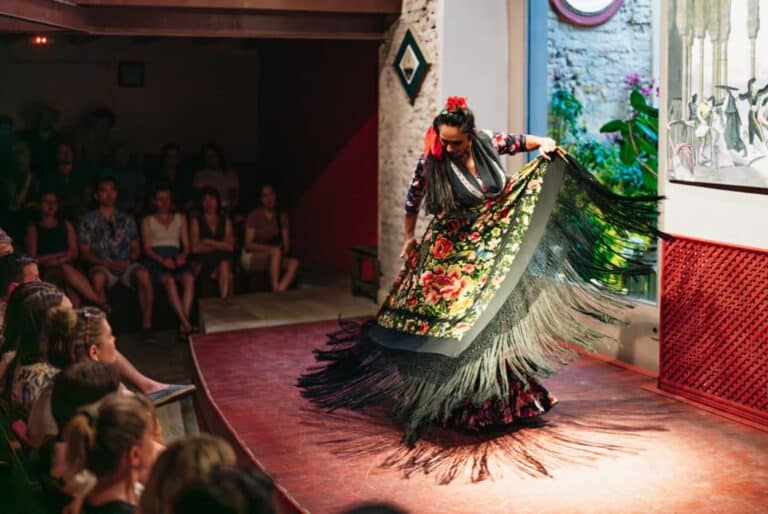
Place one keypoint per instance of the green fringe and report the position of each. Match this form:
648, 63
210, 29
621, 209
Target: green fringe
528, 337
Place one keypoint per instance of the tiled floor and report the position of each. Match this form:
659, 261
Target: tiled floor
608, 447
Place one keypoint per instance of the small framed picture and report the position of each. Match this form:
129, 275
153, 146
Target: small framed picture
130, 74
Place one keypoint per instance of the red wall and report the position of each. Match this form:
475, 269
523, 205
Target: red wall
319, 128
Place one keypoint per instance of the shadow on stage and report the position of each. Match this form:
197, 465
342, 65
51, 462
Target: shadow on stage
574, 433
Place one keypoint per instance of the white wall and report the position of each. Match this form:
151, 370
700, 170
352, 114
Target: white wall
474, 58
716, 215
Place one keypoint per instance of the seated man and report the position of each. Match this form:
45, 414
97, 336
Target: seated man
109, 243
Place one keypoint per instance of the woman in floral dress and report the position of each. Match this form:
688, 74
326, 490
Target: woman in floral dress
484, 302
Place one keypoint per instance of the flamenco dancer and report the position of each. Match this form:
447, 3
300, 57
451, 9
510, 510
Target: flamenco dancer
488, 302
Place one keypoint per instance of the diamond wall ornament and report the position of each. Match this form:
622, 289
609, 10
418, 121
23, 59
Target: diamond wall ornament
410, 65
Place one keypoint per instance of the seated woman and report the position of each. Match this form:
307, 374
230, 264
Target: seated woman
267, 243
115, 440
72, 336
29, 370
52, 241
213, 241
72, 389
166, 245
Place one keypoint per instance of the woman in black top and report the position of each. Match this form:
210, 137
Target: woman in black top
213, 241
52, 241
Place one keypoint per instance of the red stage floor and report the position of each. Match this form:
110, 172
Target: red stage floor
609, 446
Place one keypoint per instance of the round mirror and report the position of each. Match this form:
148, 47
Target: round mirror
586, 13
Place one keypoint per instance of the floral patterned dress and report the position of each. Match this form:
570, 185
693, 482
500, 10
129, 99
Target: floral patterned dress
447, 283
490, 300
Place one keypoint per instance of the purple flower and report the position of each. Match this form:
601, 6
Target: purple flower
632, 79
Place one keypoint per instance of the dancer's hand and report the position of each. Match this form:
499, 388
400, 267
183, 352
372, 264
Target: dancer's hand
548, 146
408, 246
545, 145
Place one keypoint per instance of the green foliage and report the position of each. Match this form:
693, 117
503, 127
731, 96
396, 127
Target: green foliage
625, 159
639, 141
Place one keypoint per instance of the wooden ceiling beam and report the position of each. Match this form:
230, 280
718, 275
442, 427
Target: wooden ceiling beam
45, 12
317, 6
185, 23
14, 25
192, 22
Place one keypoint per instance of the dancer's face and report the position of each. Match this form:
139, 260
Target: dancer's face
455, 141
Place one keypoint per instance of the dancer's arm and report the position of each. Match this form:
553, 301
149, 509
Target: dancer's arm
412, 205
410, 236
511, 144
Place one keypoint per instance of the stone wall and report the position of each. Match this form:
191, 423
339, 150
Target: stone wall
402, 127
592, 62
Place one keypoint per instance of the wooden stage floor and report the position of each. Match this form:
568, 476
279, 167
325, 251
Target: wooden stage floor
609, 446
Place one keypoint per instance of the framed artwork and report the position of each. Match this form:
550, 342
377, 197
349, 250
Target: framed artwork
717, 106
130, 74
410, 65
586, 13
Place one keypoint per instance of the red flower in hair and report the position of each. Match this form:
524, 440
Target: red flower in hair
432, 144
454, 103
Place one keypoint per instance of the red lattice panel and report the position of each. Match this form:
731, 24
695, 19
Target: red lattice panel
714, 326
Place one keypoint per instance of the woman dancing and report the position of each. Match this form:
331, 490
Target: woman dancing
485, 303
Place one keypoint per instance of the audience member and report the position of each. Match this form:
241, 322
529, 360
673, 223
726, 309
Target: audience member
129, 180
79, 335
25, 270
171, 172
267, 243
53, 242
114, 440
96, 140
18, 320
166, 246
17, 188
77, 385
187, 461
213, 241
109, 243
28, 372
71, 337
73, 389
42, 139
228, 490
215, 173
70, 183
26, 312
6, 263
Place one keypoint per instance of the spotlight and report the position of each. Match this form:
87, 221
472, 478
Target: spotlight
40, 40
